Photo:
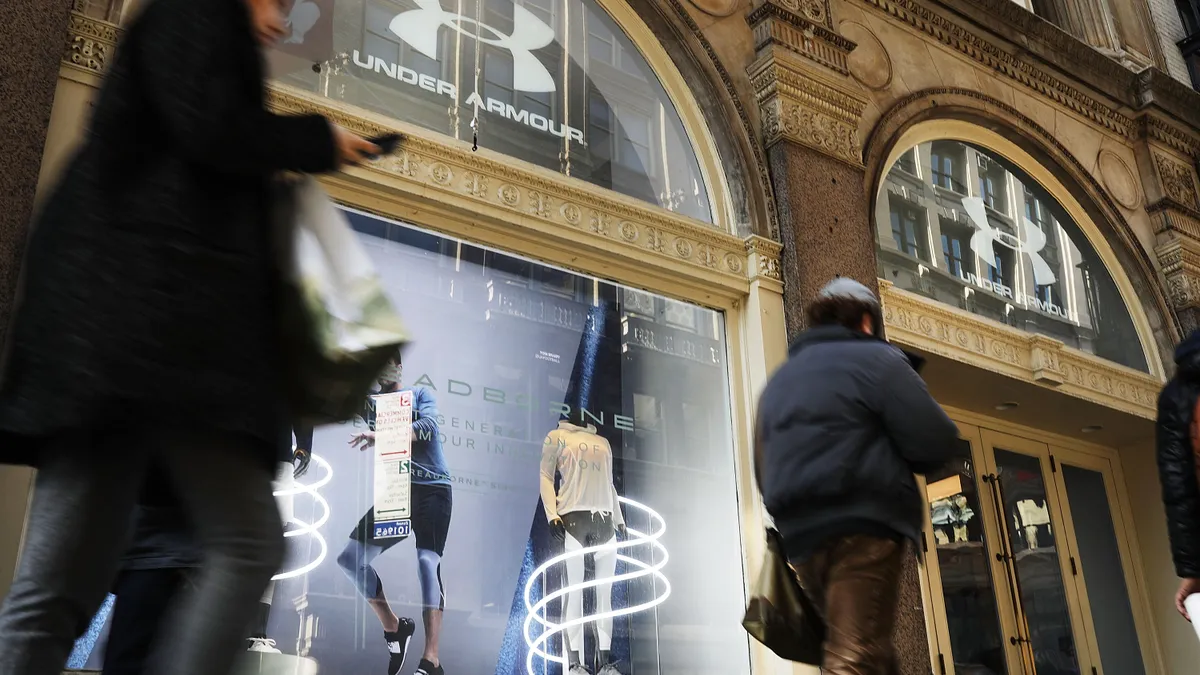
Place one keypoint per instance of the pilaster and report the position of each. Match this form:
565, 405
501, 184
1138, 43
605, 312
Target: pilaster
811, 112
32, 32
811, 109
1168, 168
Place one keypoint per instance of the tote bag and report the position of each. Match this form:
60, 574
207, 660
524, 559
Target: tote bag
338, 327
780, 614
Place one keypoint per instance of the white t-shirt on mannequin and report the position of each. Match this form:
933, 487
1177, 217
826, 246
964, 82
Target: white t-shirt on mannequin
584, 460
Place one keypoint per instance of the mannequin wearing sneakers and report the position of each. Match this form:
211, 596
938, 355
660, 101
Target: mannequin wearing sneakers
432, 506
584, 511
283, 485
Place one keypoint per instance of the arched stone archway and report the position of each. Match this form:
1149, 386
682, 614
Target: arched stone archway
991, 115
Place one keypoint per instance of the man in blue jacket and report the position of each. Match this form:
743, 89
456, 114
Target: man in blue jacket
842, 427
432, 503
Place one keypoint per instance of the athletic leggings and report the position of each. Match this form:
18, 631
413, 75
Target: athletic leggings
355, 560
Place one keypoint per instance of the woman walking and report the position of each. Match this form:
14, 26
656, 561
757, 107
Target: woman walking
146, 333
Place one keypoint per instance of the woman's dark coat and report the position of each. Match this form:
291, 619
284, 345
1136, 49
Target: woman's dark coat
148, 280
1177, 458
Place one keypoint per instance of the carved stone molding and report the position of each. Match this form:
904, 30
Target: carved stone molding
964, 337
966, 40
1180, 260
764, 257
447, 171
1178, 180
1154, 128
809, 35
90, 43
798, 107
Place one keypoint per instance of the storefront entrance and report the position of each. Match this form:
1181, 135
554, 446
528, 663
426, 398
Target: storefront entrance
1028, 564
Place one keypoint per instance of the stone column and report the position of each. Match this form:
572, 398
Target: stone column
32, 37
811, 109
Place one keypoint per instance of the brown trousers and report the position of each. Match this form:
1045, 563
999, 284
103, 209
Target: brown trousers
855, 584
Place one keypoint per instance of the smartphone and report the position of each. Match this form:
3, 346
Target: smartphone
387, 143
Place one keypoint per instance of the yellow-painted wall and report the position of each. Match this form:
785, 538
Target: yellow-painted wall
1181, 648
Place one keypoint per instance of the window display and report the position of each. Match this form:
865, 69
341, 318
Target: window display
543, 484
961, 225
557, 84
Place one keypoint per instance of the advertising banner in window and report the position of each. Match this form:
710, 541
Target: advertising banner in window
570, 489
966, 227
552, 82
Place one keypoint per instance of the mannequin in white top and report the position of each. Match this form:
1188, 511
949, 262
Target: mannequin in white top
583, 511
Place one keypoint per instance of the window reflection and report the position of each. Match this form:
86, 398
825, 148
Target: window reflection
966, 227
965, 564
557, 84
1035, 560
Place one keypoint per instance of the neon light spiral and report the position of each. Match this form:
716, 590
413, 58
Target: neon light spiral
536, 611
313, 529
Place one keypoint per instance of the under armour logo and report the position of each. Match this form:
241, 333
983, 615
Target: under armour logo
986, 235
419, 28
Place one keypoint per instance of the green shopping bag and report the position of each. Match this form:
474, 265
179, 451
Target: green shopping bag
338, 329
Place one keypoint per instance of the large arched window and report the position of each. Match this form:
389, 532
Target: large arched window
555, 83
965, 226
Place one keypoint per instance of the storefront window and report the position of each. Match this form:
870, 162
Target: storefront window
530, 385
556, 84
946, 229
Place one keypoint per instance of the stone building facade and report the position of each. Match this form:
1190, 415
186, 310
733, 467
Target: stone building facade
1018, 179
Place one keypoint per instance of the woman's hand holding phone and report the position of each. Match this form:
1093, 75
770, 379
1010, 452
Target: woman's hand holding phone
352, 149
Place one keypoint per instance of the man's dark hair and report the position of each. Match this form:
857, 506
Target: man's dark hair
840, 311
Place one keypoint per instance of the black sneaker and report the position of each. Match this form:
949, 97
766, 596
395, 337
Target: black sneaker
397, 644
427, 668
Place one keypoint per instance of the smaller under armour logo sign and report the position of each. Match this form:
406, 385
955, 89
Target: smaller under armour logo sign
986, 236
420, 27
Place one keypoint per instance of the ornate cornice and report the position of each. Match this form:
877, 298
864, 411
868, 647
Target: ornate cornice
90, 43
967, 41
1155, 128
807, 35
765, 256
803, 109
446, 171
1036, 359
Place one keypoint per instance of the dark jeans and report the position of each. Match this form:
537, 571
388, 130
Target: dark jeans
855, 584
143, 598
78, 523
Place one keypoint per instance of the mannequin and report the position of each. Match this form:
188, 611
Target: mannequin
583, 511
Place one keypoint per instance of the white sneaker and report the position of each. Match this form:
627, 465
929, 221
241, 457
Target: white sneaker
263, 646
578, 669
610, 669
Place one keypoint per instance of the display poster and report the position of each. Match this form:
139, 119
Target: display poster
393, 464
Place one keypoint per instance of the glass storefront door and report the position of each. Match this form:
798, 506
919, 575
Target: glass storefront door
1027, 564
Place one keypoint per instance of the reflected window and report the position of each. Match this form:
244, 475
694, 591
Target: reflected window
556, 84
946, 166
955, 245
992, 178
1010, 253
908, 229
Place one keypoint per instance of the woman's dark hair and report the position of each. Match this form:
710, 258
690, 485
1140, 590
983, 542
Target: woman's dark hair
840, 311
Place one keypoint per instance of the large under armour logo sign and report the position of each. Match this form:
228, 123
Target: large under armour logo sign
986, 236
419, 28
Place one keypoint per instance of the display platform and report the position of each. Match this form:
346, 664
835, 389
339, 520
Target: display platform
255, 663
